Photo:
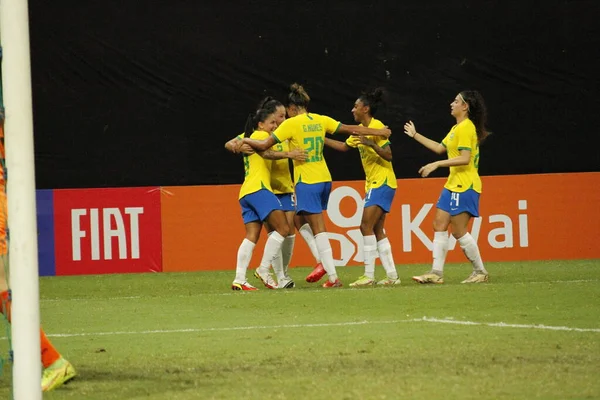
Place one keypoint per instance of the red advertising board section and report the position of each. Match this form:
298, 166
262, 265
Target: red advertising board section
526, 217
99, 231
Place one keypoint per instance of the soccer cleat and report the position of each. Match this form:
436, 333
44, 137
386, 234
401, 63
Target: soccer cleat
286, 283
428, 278
389, 282
57, 374
266, 279
316, 274
476, 277
363, 281
242, 286
330, 284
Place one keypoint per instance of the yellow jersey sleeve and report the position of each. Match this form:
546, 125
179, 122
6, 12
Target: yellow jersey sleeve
285, 131
330, 125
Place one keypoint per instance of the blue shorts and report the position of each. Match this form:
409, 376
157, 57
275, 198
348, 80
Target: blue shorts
258, 205
287, 201
381, 196
455, 203
312, 198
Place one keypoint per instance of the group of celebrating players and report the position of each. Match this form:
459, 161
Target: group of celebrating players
271, 198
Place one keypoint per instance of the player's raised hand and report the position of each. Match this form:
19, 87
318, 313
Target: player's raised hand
410, 129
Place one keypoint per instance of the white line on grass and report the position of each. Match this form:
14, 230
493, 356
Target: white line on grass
505, 325
353, 323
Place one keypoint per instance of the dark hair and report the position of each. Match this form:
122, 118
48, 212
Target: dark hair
477, 112
298, 96
269, 103
373, 100
254, 118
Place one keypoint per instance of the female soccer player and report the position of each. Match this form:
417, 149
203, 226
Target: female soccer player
259, 204
283, 188
313, 181
380, 187
459, 201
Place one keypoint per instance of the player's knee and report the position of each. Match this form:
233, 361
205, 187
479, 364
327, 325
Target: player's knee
440, 225
284, 230
367, 227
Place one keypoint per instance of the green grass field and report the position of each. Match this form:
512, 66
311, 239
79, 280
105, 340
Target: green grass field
532, 332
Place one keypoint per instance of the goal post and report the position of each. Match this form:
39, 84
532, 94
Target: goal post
23, 258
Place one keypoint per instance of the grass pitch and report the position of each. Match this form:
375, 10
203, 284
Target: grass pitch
532, 332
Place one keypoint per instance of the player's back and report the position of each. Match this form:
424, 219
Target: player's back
307, 131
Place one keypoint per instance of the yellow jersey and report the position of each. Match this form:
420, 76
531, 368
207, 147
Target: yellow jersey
378, 172
463, 136
281, 178
307, 131
257, 170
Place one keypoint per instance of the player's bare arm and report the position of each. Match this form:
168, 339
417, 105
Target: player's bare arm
296, 154
411, 131
364, 131
336, 144
260, 145
462, 159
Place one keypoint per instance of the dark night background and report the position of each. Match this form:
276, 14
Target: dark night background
146, 93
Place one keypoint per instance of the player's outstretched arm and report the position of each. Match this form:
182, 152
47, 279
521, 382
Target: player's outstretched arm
411, 131
364, 131
336, 144
296, 154
260, 145
463, 159
236, 146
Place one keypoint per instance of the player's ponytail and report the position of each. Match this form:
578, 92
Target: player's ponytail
249, 128
298, 96
477, 112
373, 100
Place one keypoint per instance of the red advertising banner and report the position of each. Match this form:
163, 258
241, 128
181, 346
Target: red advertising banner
524, 217
99, 231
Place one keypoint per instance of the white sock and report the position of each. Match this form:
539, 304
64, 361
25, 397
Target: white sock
272, 250
326, 255
277, 265
471, 250
244, 256
287, 249
387, 260
440, 249
308, 236
370, 254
